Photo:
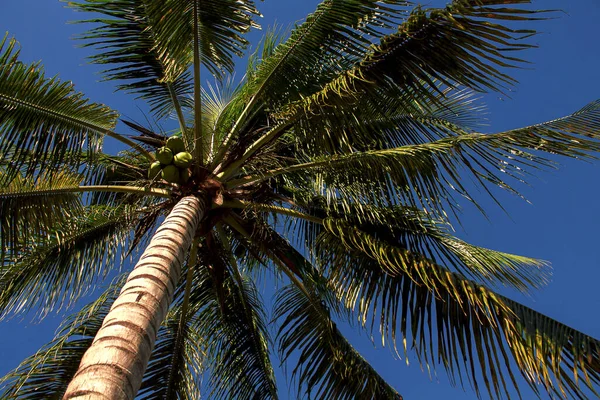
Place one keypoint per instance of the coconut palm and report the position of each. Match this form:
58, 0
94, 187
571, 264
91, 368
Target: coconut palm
335, 168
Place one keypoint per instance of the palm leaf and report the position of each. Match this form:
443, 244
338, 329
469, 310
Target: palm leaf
450, 113
31, 207
127, 40
456, 322
314, 53
328, 366
425, 175
464, 45
337, 33
66, 262
43, 120
418, 233
221, 24
233, 326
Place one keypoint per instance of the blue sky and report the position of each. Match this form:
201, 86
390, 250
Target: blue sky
561, 224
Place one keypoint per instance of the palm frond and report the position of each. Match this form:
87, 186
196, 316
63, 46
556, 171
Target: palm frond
365, 126
451, 113
464, 44
315, 52
426, 175
221, 103
221, 24
419, 233
47, 373
63, 264
43, 120
126, 36
30, 207
337, 33
233, 326
328, 366
126, 168
449, 320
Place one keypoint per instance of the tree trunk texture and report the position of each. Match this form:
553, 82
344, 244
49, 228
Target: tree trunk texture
113, 367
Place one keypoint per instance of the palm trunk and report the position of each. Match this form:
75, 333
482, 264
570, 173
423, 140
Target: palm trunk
113, 366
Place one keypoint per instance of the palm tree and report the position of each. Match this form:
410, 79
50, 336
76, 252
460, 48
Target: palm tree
335, 167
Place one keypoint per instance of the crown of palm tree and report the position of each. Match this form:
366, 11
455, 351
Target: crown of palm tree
333, 167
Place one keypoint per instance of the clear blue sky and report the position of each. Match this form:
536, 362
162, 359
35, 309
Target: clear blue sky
561, 224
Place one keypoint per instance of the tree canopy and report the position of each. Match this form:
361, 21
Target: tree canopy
336, 168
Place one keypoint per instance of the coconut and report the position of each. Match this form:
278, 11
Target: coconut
184, 175
154, 170
164, 155
175, 144
170, 173
183, 159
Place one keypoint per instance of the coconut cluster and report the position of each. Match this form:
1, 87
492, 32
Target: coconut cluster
172, 162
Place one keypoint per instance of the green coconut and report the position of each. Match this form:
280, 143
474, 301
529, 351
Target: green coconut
154, 170
183, 159
175, 144
164, 155
170, 173
184, 175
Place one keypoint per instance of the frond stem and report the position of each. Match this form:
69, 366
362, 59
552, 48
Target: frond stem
178, 111
198, 144
240, 204
437, 147
260, 89
92, 188
81, 123
254, 147
232, 222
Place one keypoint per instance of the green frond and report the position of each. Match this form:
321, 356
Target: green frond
43, 120
221, 103
315, 52
251, 305
127, 168
328, 366
128, 42
321, 47
124, 168
365, 126
47, 373
57, 268
273, 37
30, 207
464, 44
233, 325
426, 175
221, 25
186, 375
419, 233
451, 113
462, 325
